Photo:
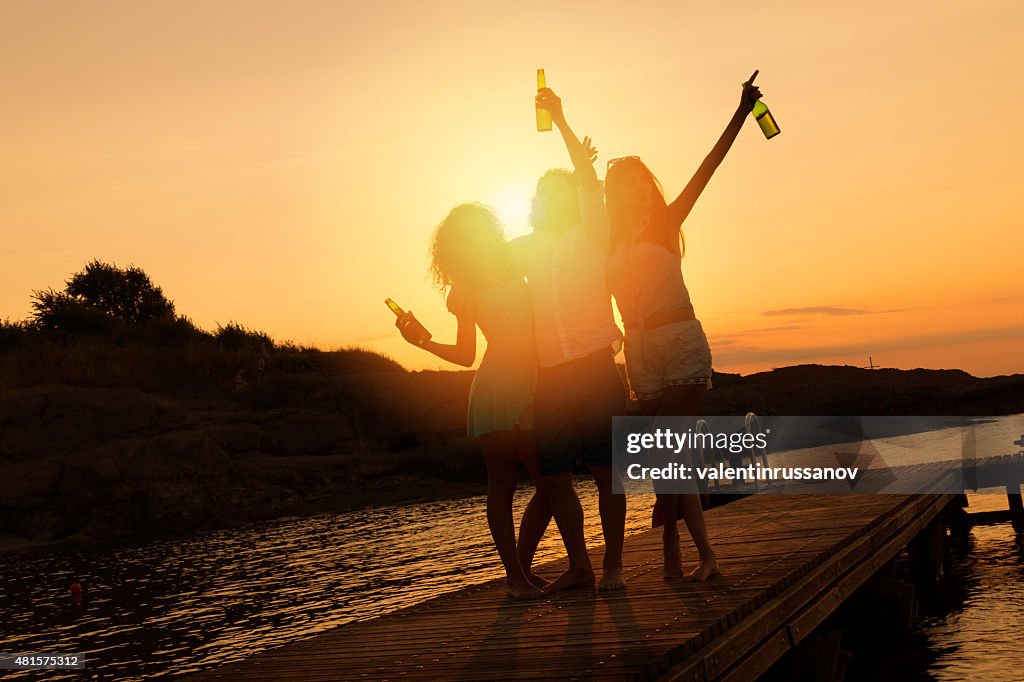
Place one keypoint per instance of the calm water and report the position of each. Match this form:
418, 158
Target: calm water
170, 607
980, 636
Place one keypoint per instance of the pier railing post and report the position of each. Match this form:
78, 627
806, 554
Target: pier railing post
1013, 497
927, 552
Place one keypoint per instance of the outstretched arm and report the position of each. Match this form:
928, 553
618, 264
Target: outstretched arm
683, 204
582, 160
462, 352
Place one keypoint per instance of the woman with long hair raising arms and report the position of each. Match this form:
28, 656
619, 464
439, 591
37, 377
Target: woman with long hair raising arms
668, 360
470, 258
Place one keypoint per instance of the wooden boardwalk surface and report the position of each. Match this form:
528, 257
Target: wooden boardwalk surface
787, 562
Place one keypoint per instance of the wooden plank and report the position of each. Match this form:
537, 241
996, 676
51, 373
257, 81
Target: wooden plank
725, 651
810, 618
787, 561
713, 662
757, 662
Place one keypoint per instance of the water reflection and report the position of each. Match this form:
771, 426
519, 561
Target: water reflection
976, 630
171, 607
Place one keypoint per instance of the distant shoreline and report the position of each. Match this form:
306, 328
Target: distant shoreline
87, 465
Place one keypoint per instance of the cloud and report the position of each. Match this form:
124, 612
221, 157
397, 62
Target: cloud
777, 328
816, 310
735, 354
722, 340
828, 310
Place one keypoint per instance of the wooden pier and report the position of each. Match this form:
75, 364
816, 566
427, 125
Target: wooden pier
788, 561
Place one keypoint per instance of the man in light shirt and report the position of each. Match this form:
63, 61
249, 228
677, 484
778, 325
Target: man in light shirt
579, 389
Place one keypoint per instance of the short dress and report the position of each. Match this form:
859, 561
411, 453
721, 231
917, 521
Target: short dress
501, 396
646, 279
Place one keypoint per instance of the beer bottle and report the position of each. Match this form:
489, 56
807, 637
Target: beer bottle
765, 119
419, 332
761, 114
543, 115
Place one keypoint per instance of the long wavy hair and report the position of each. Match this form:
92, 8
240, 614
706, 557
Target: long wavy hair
658, 229
464, 243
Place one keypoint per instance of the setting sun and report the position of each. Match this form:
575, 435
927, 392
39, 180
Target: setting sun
512, 204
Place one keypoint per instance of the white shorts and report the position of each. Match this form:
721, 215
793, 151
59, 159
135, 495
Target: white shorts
675, 354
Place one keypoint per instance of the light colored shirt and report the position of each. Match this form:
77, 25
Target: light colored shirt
572, 308
646, 278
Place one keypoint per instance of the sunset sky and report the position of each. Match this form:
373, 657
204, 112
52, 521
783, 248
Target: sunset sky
282, 164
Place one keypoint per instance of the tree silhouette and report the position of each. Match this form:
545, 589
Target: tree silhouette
99, 297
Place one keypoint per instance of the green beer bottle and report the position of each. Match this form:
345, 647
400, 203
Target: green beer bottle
763, 117
418, 330
543, 115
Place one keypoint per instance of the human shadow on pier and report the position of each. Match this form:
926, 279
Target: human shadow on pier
572, 621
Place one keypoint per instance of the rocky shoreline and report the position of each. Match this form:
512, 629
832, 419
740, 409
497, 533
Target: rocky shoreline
85, 465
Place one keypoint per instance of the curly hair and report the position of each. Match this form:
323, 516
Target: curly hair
471, 234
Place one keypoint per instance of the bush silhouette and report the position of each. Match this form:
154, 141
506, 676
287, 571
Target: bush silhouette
167, 331
14, 334
99, 299
235, 336
112, 327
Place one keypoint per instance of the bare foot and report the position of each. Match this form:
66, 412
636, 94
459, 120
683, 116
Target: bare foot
708, 569
522, 591
537, 581
611, 580
573, 578
673, 557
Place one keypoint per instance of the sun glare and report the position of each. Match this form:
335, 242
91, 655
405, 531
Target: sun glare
512, 205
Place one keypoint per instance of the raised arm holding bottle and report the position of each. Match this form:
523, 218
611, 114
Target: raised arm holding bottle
578, 384
668, 358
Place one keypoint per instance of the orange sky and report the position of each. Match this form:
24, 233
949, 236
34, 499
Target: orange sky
282, 164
